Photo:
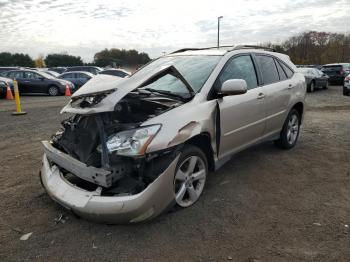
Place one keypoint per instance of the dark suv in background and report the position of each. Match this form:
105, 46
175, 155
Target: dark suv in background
336, 72
31, 81
92, 69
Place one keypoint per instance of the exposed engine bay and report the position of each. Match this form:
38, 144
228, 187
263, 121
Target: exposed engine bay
87, 139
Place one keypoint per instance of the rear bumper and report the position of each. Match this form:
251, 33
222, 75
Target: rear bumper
106, 209
336, 79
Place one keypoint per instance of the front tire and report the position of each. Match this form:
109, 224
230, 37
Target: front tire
290, 131
53, 91
190, 176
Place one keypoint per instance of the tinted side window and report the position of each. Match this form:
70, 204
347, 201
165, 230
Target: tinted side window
287, 70
16, 74
268, 69
241, 67
66, 76
281, 72
80, 75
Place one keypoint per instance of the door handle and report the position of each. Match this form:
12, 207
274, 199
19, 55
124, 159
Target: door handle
261, 96
290, 86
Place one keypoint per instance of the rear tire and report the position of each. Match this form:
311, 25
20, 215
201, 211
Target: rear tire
311, 87
53, 91
290, 131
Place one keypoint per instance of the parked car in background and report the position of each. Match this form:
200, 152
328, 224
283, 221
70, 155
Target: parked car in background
4, 82
78, 78
310, 66
116, 72
59, 70
346, 85
52, 73
132, 148
31, 81
336, 72
5, 69
314, 78
92, 69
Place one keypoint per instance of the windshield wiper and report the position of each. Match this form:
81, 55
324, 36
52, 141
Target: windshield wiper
164, 92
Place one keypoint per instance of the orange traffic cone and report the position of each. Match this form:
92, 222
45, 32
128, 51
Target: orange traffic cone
9, 95
67, 93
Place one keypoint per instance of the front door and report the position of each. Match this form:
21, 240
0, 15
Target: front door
242, 117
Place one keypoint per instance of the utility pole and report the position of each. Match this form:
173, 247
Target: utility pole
220, 17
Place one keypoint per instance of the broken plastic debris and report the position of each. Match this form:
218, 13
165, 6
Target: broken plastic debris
224, 182
229, 258
26, 236
317, 224
93, 245
60, 218
346, 226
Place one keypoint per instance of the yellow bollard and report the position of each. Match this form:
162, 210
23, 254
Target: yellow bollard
18, 102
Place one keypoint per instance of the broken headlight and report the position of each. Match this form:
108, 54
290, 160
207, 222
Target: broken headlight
132, 142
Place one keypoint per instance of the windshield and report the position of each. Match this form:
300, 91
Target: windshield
195, 69
305, 71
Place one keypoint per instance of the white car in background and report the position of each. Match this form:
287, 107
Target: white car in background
346, 86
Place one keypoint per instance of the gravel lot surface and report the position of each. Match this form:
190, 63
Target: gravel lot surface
263, 205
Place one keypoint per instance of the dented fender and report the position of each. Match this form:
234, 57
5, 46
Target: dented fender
177, 132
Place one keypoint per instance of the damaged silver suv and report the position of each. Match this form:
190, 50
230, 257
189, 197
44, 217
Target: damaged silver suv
133, 147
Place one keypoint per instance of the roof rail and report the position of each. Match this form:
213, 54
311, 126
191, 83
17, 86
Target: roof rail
237, 47
186, 49
200, 48
233, 47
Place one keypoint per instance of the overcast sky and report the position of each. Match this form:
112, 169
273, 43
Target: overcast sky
82, 27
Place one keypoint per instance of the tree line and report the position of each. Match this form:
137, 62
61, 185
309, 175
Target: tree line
305, 48
314, 47
107, 57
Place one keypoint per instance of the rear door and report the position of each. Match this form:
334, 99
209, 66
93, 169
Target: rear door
277, 87
70, 77
321, 78
241, 116
82, 79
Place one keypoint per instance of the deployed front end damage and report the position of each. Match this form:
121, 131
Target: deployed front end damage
100, 166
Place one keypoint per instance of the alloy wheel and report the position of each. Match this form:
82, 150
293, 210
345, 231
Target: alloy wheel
189, 181
292, 129
53, 91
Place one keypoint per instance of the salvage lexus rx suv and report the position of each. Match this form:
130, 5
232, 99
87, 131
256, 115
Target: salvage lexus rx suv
134, 147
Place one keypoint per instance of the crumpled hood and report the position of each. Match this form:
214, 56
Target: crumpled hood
112, 88
98, 84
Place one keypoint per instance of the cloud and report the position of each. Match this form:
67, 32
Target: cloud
83, 27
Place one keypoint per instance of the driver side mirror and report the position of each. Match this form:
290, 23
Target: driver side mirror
41, 78
233, 87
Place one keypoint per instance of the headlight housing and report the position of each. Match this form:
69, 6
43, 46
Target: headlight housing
132, 142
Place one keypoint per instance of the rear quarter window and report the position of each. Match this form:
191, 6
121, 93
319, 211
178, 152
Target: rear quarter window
286, 69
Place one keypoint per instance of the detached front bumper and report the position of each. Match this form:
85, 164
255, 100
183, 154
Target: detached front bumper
106, 209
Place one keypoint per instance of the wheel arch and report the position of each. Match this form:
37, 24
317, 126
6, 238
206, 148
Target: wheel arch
203, 142
299, 106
